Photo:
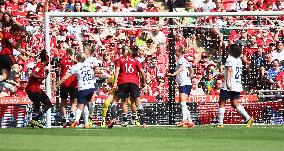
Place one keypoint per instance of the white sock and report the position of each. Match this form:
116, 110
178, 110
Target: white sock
86, 114
184, 111
78, 115
221, 112
189, 116
243, 112
91, 108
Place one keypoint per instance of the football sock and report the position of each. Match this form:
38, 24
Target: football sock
72, 115
86, 114
34, 116
37, 116
78, 115
104, 119
124, 117
134, 116
105, 107
243, 112
189, 116
91, 108
64, 119
221, 112
184, 111
113, 111
141, 114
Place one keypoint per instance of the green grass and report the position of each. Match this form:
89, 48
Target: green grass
201, 138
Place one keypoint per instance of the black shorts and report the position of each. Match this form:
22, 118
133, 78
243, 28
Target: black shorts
229, 95
64, 91
38, 97
6, 61
128, 89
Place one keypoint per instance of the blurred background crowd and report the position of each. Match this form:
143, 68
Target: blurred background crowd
204, 39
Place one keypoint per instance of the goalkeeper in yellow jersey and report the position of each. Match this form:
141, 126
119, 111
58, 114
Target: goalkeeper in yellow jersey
109, 100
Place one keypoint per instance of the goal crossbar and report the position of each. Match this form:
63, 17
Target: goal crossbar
163, 14
48, 15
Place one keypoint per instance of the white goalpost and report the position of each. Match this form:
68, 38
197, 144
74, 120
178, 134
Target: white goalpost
49, 15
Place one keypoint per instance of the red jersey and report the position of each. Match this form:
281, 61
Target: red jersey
280, 77
34, 83
129, 68
7, 44
65, 64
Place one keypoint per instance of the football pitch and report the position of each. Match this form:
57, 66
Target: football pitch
200, 138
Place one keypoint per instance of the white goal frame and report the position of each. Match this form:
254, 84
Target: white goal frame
48, 15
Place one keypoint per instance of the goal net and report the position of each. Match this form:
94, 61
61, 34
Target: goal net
204, 37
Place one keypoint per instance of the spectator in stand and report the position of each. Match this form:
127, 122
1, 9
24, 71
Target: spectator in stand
70, 6
279, 52
217, 87
208, 80
161, 91
257, 60
147, 90
89, 6
39, 12
2, 6
32, 6
158, 37
61, 7
7, 21
267, 64
270, 48
250, 6
278, 5
151, 47
195, 89
239, 5
280, 80
207, 6
204, 62
273, 72
78, 7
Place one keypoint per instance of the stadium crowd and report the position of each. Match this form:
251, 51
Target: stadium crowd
205, 40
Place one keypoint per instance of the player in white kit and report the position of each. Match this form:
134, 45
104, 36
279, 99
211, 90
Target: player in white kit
86, 85
232, 86
183, 75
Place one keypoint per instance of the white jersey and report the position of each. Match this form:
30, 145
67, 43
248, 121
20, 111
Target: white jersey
183, 78
85, 75
236, 79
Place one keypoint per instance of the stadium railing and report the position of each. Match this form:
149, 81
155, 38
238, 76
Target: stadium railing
16, 111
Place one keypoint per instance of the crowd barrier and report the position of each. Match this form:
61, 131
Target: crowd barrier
16, 111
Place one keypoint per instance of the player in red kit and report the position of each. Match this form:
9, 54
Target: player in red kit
69, 87
127, 84
35, 93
